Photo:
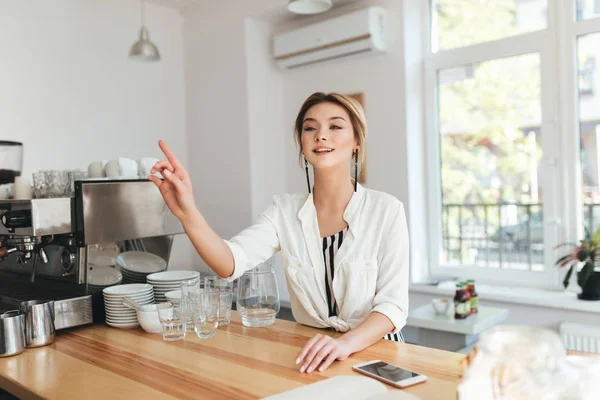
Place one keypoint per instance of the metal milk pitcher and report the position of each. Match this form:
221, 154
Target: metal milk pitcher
39, 322
12, 335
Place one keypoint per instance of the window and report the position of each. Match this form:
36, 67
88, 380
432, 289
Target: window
587, 9
587, 70
460, 23
490, 147
496, 163
588, 49
513, 135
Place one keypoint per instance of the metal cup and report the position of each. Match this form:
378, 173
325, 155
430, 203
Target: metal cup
12, 333
39, 322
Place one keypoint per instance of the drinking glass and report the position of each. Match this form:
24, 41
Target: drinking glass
40, 186
204, 306
188, 286
225, 289
57, 183
73, 175
172, 321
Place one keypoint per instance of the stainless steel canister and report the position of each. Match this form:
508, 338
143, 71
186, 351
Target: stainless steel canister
39, 322
12, 333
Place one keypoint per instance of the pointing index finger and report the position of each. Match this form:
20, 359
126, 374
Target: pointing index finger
170, 155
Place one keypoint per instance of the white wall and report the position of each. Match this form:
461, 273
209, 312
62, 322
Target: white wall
69, 93
235, 117
380, 78
266, 127
217, 117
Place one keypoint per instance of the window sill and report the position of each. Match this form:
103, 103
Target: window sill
562, 300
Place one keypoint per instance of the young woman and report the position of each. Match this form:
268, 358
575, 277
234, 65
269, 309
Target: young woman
344, 247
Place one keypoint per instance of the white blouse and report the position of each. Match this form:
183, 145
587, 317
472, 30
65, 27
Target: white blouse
371, 266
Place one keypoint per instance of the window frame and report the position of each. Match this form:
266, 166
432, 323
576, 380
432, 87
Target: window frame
562, 207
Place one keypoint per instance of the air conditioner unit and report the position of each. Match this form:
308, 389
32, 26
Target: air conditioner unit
358, 32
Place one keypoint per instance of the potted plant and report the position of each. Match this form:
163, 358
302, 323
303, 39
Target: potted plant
585, 258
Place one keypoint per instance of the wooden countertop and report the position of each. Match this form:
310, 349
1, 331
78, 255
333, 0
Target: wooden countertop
99, 362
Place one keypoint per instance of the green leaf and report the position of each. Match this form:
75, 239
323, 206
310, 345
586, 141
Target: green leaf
583, 254
596, 237
584, 274
558, 246
563, 259
568, 276
588, 236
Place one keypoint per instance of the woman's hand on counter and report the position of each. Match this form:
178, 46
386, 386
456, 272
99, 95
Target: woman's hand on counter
320, 351
176, 188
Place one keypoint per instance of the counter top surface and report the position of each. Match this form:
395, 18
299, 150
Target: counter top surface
99, 362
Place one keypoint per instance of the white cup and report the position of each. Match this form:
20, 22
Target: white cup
22, 189
440, 306
121, 168
148, 318
145, 165
96, 170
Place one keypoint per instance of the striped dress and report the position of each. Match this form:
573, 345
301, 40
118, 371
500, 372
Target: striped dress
330, 246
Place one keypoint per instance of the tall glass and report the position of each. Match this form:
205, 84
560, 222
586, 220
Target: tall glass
187, 287
258, 296
204, 307
225, 289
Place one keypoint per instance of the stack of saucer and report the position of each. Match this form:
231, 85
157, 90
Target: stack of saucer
137, 265
167, 281
120, 316
100, 277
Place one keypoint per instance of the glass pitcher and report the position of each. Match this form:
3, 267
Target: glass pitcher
258, 296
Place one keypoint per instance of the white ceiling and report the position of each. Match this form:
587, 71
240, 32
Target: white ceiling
281, 14
278, 14
175, 3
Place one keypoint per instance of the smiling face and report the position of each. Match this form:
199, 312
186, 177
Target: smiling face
328, 138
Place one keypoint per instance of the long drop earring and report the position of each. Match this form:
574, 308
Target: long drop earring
307, 178
355, 169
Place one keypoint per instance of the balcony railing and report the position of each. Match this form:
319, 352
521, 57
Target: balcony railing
494, 235
508, 236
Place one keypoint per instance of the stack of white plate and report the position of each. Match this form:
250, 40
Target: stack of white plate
167, 281
137, 265
100, 277
120, 316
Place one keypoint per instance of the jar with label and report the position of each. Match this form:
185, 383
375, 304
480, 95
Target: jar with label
474, 296
462, 301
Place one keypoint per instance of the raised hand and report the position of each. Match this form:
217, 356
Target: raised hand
176, 188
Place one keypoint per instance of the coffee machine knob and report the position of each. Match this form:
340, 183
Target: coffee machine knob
12, 219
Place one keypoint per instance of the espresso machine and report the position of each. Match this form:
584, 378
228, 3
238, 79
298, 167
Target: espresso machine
45, 242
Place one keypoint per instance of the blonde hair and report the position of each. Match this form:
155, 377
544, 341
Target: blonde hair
352, 107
